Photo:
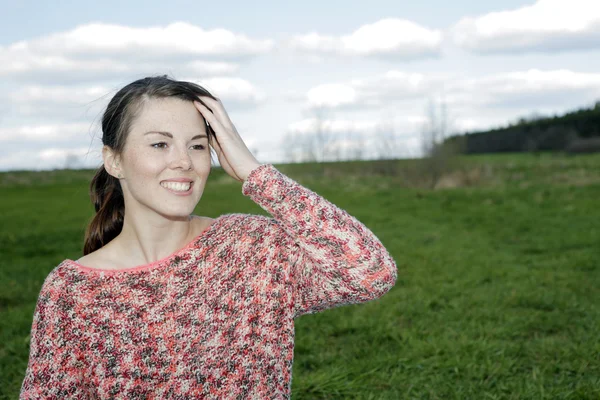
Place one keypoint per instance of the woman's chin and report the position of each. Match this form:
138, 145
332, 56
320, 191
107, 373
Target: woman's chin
177, 215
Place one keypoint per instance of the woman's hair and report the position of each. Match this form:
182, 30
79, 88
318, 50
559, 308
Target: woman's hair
105, 190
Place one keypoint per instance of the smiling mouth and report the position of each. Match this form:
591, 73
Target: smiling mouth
177, 186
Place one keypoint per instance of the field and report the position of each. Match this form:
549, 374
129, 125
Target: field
498, 291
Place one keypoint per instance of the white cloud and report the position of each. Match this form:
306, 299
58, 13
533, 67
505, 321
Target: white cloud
32, 103
526, 88
310, 125
178, 39
332, 95
76, 102
236, 93
60, 94
388, 38
103, 51
52, 69
547, 25
48, 133
372, 91
532, 87
210, 68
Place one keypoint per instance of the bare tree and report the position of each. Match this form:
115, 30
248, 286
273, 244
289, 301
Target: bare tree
435, 128
387, 144
288, 147
316, 145
436, 154
323, 138
336, 149
293, 144
354, 145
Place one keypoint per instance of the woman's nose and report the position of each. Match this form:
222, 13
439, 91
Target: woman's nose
182, 160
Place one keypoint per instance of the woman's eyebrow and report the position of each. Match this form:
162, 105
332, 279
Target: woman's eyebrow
168, 134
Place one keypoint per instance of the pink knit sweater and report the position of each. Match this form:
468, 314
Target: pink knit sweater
213, 320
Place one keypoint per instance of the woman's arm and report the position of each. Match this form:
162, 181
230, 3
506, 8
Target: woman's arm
53, 370
334, 258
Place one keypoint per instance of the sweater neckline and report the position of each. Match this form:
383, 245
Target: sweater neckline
150, 266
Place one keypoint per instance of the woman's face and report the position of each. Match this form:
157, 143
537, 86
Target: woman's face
166, 159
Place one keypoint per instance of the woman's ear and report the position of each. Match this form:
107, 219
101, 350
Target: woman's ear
111, 162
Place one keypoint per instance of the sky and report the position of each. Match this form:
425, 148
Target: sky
367, 73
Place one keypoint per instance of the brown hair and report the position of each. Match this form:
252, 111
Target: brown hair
105, 190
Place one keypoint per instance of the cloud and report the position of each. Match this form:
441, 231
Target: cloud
179, 39
103, 51
51, 158
61, 94
236, 93
53, 69
390, 38
546, 26
529, 88
372, 91
532, 88
77, 102
310, 126
47, 103
66, 133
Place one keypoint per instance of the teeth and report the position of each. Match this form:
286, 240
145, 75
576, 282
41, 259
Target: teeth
179, 186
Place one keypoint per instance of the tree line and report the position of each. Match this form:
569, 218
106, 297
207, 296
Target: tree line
574, 132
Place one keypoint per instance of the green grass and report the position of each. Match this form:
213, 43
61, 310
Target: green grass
497, 296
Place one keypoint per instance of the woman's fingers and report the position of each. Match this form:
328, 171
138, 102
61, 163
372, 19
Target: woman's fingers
231, 149
217, 108
219, 130
215, 116
206, 113
212, 120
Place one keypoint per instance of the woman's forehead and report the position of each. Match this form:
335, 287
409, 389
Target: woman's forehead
169, 114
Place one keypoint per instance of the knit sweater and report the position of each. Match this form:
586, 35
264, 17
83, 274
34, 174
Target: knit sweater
215, 319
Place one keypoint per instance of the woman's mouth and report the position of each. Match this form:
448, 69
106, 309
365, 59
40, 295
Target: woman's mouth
178, 188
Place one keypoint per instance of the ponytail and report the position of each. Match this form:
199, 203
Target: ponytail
107, 196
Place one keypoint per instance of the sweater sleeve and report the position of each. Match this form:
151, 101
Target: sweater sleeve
53, 370
334, 258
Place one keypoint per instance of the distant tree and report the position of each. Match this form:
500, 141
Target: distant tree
72, 161
552, 133
324, 140
356, 146
387, 141
435, 128
318, 144
437, 153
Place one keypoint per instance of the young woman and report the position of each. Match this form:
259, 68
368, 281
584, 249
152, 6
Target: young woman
166, 304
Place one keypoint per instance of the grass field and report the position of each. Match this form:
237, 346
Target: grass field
498, 291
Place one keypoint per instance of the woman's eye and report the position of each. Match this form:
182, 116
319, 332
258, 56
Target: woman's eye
163, 145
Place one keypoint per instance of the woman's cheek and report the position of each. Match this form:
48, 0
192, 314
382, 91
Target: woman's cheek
148, 162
